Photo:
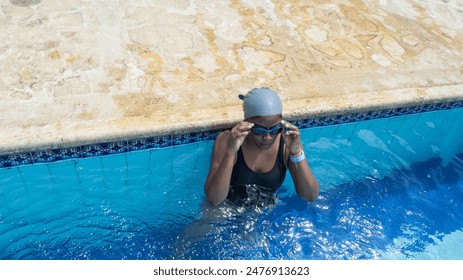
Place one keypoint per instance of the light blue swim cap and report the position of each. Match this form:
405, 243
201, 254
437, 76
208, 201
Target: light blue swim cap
261, 102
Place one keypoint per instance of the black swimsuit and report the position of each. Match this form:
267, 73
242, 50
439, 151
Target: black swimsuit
253, 187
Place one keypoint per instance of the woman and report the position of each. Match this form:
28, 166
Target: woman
251, 159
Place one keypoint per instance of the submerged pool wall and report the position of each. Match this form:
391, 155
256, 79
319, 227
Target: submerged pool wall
375, 148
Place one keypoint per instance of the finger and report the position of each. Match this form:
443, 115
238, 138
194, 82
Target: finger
236, 133
243, 126
293, 132
288, 125
246, 125
289, 128
243, 130
243, 134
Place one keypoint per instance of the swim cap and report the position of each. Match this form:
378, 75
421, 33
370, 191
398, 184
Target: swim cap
261, 102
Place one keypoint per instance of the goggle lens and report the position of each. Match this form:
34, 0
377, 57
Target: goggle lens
259, 130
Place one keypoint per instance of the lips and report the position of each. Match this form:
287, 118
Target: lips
266, 145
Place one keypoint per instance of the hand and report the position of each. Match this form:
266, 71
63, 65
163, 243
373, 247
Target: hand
292, 138
237, 135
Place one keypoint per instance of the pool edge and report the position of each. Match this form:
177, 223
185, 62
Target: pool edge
113, 144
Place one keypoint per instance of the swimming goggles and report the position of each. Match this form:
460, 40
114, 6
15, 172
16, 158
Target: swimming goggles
260, 130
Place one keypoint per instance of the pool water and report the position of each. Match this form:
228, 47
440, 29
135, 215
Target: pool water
390, 189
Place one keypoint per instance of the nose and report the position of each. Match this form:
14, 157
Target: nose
267, 136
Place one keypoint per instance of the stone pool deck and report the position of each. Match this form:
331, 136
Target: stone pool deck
82, 72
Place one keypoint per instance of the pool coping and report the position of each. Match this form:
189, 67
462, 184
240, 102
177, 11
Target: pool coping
73, 94
206, 132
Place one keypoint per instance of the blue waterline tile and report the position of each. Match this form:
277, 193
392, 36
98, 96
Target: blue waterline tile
140, 144
182, 139
17, 159
45, 156
158, 142
96, 150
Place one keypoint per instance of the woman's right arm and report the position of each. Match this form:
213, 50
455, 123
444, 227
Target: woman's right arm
222, 161
220, 171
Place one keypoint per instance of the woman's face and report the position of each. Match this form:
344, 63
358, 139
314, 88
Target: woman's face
266, 139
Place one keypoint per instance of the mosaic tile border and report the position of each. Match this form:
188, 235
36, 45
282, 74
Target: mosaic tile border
180, 139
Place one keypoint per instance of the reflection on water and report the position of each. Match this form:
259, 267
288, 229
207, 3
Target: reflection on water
409, 213
357, 220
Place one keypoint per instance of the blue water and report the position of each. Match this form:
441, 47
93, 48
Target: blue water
390, 189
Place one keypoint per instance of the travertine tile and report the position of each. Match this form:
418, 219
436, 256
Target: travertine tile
77, 72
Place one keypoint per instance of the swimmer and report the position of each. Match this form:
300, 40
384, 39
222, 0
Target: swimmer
249, 162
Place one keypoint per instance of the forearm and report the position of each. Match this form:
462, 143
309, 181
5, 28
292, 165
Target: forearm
306, 185
218, 184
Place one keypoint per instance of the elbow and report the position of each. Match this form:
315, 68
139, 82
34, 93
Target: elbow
312, 194
214, 202
212, 197
310, 198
